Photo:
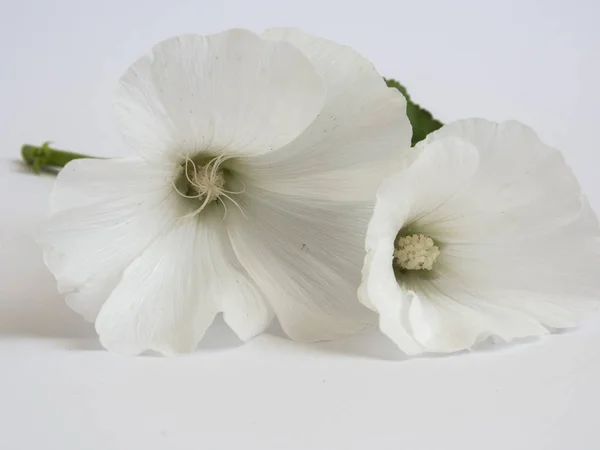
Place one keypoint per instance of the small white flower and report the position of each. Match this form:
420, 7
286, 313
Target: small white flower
259, 159
486, 234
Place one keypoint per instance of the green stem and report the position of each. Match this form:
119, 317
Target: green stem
43, 156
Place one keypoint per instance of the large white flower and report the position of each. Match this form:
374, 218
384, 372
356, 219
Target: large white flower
486, 234
258, 162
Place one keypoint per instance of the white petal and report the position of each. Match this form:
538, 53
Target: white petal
342, 68
88, 298
105, 212
361, 132
231, 91
520, 179
160, 303
446, 316
306, 258
380, 292
427, 187
171, 293
243, 304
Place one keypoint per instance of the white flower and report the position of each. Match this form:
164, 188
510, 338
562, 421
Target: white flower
486, 234
258, 162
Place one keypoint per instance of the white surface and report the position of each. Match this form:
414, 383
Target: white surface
536, 61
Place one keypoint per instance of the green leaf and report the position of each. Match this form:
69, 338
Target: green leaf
421, 120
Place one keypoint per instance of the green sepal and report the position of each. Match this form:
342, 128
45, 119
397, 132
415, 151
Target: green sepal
421, 120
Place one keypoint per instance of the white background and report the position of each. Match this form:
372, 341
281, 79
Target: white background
536, 61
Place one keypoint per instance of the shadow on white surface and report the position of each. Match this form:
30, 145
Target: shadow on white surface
218, 337
30, 305
373, 344
369, 343
19, 166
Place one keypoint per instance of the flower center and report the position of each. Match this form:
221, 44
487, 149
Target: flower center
415, 252
205, 181
208, 180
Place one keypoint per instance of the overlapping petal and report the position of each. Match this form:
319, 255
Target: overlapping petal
306, 257
361, 133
